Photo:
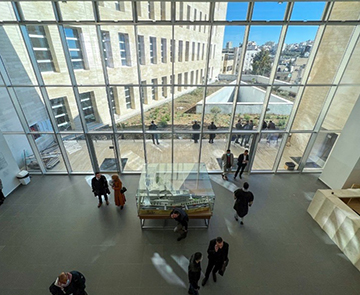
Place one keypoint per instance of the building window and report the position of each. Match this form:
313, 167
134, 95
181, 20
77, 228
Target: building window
188, 15
179, 81
109, 62
163, 10
202, 76
172, 50
163, 50
141, 49
124, 49
172, 84
186, 79
41, 48
180, 51
195, 12
181, 11
138, 8
153, 50
120, 6
143, 92
154, 94
197, 77
60, 109
192, 77
214, 51
128, 99
87, 107
74, 44
187, 45
198, 51
200, 19
205, 25
35, 128
193, 52
151, 10
203, 51
164, 87
113, 100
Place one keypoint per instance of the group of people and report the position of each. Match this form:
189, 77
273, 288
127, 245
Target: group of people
196, 136
228, 162
100, 187
248, 125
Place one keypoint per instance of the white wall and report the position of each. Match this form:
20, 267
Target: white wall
8, 167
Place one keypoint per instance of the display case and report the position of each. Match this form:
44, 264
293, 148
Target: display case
165, 186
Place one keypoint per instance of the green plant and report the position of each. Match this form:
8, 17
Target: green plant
246, 117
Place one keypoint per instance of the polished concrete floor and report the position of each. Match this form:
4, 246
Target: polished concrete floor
54, 225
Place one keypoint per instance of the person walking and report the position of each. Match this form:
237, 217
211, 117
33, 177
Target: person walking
243, 200
212, 127
154, 136
243, 159
194, 273
196, 127
183, 220
227, 162
2, 197
100, 187
271, 126
118, 195
218, 251
69, 283
238, 127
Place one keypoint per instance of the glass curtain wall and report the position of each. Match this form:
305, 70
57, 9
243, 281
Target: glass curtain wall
113, 85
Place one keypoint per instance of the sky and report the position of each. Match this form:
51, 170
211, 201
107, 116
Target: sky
272, 11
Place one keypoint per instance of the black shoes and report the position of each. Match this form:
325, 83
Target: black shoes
203, 282
236, 218
121, 207
241, 222
214, 277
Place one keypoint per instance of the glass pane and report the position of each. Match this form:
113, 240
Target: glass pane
186, 146
294, 149
105, 152
49, 152
77, 152
21, 155
31, 10
32, 104
95, 107
115, 10
212, 149
6, 11
341, 107
346, 10
76, 10
158, 145
15, 57
9, 119
233, 11
185, 10
132, 151
321, 150
330, 54
295, 54
351, 73
269, 11
266, 151
304, 11
310, 107
259, 59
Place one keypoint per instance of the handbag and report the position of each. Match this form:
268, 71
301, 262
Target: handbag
123, 189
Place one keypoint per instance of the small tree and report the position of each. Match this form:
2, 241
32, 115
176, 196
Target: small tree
261, 63
215, 111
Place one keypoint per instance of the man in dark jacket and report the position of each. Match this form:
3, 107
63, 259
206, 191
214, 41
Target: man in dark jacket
100, 187
212, 127
218, 251
196, 127
183, 219
243, 159
243, 200
194, 272
154, 136
69, 283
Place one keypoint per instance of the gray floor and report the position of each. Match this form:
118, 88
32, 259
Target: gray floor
54, 225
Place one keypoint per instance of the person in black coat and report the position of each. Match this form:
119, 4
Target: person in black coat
100, 187
243, 200
212, 127
218, 251
194, 272
2, 197
183, 220
243, 159
69, 283
196, 136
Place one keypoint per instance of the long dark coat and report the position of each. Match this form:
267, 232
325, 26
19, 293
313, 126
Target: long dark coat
243, 199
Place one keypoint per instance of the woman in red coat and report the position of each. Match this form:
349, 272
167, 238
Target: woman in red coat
117, 186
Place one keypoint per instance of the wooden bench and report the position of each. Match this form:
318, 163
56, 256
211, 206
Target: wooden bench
205, 215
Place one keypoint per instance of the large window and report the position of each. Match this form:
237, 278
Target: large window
60, 110
163, 50
141, 49
153, 50
124, 49
74, 44
128, 98
108, 57
41, 48
87, 106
